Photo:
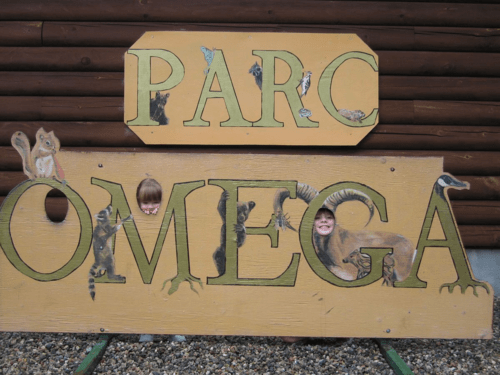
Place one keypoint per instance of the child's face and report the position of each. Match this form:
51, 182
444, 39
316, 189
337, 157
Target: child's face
150, 208
324, 222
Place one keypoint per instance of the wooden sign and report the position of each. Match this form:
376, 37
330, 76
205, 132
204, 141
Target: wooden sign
251, 88
238, 244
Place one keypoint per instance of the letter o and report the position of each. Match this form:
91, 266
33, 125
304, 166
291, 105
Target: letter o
10, 251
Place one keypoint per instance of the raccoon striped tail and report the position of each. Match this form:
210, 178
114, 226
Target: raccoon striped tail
92, 275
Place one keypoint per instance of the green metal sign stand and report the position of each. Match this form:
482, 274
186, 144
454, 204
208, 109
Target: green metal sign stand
393, 359
91, 361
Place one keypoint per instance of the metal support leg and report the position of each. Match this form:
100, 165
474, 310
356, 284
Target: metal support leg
91, 361
393, 359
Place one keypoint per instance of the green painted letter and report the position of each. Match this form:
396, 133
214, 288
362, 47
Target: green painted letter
85, 230
325, 88
219, 68
144, 85
288, 277
177, 207
289, 88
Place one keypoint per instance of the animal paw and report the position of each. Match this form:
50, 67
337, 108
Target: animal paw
177, 280
464, 285
239, 228
282, 223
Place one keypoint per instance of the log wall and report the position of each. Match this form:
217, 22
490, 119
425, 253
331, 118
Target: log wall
61, 67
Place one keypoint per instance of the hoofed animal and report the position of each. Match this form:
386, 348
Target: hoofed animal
336, 247
363, 264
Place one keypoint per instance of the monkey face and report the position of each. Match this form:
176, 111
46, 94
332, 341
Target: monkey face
324, 222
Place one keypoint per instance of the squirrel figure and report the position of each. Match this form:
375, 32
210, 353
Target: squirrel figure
40, 162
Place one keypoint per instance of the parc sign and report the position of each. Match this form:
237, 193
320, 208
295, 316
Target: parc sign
217, 88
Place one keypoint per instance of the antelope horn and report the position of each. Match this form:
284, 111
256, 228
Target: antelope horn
346, 195
305, 192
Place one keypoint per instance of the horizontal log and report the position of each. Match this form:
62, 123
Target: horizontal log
407, 38
473, 236
16, 33
439, 63
61, 83
111, 84
487, 237
124, 34
78, 108
34, 108
83, 59
482, 188
454, 112
457, 39
436, 137
110, 59
259, 11
383, 137
474, 164
476, 212
75, 134
438, 88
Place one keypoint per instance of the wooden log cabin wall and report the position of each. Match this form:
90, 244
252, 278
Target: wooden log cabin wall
61, 68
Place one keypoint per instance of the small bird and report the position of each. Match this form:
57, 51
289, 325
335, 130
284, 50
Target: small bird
256, 71
305, 82
209, 56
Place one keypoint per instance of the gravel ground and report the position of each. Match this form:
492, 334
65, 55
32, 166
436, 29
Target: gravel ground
42, 353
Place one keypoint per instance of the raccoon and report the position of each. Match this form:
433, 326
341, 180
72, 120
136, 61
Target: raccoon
104, 257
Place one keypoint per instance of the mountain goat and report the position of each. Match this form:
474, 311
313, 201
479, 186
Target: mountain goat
338, 250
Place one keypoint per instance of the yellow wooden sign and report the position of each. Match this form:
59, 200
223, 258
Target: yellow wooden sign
251, 88
237, 244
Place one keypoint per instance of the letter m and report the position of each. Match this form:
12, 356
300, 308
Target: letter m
176, 207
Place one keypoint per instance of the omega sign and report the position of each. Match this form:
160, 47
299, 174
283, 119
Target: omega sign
252, 244
259, 88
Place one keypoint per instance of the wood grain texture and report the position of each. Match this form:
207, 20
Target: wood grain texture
62, 59
467, 213
61, 83
78, 108
439, 88
276, 11
407, 38
424, 63
477, 212
18, 33
474, 235
109, 59
432, 137
383, 137
476, 165
111, 84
